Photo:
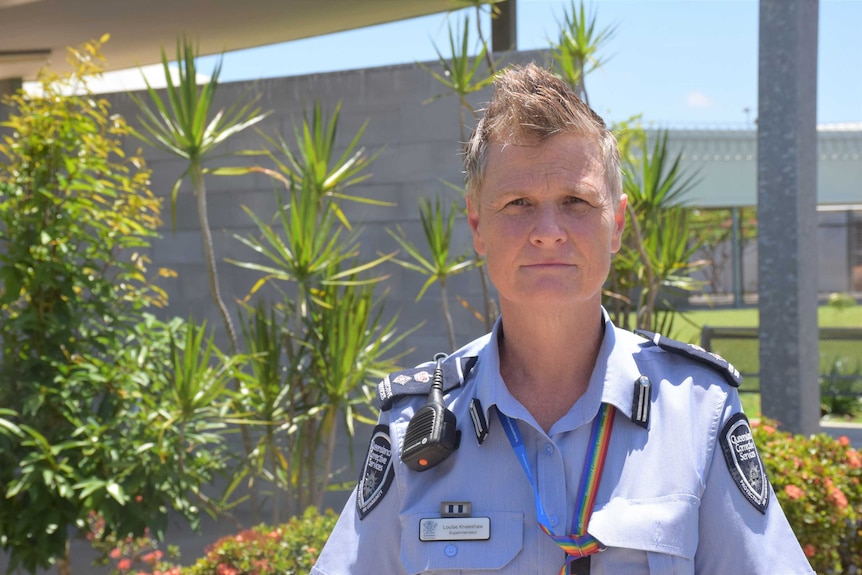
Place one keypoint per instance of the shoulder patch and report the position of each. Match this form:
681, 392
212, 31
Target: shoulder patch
417, 381
743, 461
697, 353
377, 473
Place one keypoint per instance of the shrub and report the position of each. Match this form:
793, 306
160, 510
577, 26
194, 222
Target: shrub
838, 388
106, 409
140, 555
289, 549
817, 482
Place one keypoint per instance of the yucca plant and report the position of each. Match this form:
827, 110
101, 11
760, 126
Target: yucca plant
576, 51
325, 338
440, 264
462, 76
657, 245
186, 124
351, 346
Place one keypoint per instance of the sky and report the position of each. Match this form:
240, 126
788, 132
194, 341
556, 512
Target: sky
676, 63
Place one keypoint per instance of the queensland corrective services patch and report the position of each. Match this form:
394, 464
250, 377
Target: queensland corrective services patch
743, 461
377, 473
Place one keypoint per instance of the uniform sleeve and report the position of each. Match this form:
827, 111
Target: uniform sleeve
368, 545
735, 536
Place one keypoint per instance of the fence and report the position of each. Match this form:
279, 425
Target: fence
840, 356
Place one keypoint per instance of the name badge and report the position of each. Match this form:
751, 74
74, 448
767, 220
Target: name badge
455, 529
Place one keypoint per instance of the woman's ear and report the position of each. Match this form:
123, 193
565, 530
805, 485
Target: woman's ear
473, 220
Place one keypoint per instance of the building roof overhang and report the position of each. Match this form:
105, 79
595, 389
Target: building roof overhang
37, 32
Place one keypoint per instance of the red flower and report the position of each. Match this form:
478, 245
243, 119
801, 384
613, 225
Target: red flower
224, 569
115, 553
853, 459
124, 564
793, 491
844, 440
152, 558
837, 498
809, 550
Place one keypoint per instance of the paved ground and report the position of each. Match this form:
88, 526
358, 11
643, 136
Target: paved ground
851, 430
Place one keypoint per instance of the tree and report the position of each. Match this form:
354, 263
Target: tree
319, 346
94, 419
464, 75
188, 127
439, 266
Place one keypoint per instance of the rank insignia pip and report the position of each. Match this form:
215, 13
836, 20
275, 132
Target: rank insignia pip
743, 461
377, 473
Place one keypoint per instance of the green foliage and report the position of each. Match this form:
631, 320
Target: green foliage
440, 264
576, 52
841, 301
289, 549
123, 554
318, 347
185, 125
839, 388
83, 366
712, 229
656, 253
817, 482
462, 74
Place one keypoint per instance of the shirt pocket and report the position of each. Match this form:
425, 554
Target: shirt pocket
665, 528
452, 557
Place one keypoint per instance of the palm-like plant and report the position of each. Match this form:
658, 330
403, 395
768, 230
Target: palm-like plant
658, 246
462, 76
440, 265
325, 338
310, 236
186, 125
576, 52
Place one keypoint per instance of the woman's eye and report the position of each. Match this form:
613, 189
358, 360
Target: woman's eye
518, 202
575, 200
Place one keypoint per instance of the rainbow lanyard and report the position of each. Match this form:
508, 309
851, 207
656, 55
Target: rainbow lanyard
580, 543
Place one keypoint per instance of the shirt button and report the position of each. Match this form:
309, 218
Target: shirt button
549, 448
553, 519
451, 550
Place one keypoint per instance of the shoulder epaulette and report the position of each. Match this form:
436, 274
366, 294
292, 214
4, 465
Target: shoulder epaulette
417, 381
697, 353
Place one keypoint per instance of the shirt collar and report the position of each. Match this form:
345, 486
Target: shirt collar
611, 382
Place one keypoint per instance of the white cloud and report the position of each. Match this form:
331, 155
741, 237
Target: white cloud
697, 99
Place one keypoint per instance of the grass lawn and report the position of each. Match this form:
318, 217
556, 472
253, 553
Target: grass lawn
743, 353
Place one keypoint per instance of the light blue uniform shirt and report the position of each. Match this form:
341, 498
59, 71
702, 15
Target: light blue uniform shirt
666, 503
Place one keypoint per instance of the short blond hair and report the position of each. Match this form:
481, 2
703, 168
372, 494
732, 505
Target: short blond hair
530, 104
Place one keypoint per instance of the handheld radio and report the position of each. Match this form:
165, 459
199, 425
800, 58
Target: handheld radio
432, 433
